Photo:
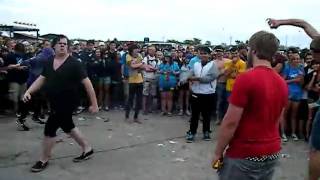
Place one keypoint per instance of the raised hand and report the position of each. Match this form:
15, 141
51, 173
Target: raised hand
273, 23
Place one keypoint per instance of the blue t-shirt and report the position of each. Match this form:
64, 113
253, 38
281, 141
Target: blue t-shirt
169, 79
193, 61
123, 61
291, 72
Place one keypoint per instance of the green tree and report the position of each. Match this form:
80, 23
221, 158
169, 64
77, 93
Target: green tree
196, 41
238, 42
188, 41
173, 41
208, 43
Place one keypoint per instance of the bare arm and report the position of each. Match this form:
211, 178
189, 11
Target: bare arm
308, 28
36, 85
33, 88
136, 65
90, 91
228, 128
297, 80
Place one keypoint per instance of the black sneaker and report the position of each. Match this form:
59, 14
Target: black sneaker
18, 115
190, 137
42, 117
206, 136
39, 166
22, 125
38, 120
83, 156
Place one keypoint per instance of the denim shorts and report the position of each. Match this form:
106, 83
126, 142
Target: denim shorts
104, 80
295, 96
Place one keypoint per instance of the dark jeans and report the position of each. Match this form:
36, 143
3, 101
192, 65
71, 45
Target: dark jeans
222, 102
117, 94
135, 92
201, 103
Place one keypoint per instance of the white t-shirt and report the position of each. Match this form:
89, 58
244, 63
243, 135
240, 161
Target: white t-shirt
151, 61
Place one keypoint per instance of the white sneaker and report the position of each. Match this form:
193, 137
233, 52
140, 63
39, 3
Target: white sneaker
181, 113
188, 113
284, 138
294, 137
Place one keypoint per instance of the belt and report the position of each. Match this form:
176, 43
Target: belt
264, 158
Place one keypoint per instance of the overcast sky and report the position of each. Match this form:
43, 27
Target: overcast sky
211, 20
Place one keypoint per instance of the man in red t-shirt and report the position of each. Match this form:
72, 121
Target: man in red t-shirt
251, 124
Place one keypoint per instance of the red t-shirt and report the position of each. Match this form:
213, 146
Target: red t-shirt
263, 94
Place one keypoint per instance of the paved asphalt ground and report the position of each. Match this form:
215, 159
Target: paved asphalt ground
154, 150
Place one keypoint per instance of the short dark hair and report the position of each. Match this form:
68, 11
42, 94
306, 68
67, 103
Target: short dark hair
20, 48
233, 49
132, 47
307, 54
91, 41
242, 46
293, 50
265, 44
58, 38
44, 41
218, 48
204, 49
113, 42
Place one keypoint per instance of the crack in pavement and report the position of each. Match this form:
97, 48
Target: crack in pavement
98, 151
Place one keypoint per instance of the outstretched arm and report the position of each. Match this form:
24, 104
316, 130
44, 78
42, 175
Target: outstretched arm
308, 28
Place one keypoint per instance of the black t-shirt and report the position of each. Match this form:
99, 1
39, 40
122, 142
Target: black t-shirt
62, 85
95, 68
115, 71
108, 64
311, 94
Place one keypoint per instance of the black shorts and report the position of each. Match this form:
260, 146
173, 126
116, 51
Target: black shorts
56, 121
303, 111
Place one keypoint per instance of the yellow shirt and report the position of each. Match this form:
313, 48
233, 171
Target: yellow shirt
135, 75
236, 68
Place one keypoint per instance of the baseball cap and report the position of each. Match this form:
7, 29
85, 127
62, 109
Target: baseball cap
101, 44
26, 43
75, 42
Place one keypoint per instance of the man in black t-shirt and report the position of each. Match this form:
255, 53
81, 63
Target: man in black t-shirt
61, 78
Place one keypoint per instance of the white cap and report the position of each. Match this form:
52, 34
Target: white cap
101, 44
76, 42
26, 43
